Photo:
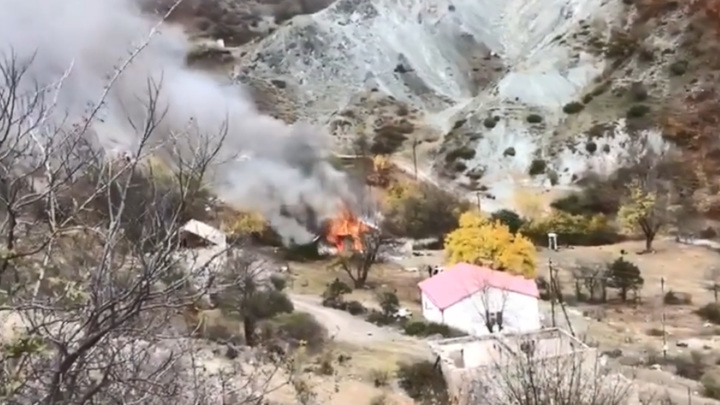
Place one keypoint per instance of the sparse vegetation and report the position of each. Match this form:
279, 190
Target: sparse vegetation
423, 382
421, 211
676, 298
509, 152
489, 122
573, 107
678, 68
300, 328
537, 167
590, 147
575, 229
637, 111
425, 329
534, 119
710, 312
460, 153
509, 218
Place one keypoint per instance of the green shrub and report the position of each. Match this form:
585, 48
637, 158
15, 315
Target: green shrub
591, 201
300, 327
711, 384
270, 303
638, 91
710, 312
459, 166
379, 318
534, 119
423, 382
416, 328
678, 68
691, 367
489, 123
460, 153
509, 151
389, 302
509, 218
587, 98
380, 378
674, 298
336, 289
655, 332
278, 282
355, 308
537, 166
573, 107
637, 111
591, 147
581, 230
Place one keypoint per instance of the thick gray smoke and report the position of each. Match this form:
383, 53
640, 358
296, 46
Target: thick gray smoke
282, 166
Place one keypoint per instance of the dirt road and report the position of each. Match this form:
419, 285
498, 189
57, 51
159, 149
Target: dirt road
346, 328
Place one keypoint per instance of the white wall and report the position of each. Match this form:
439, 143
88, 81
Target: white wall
521, 313
430, 311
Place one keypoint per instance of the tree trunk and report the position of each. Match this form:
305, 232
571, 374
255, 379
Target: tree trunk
249, 329
649, 237
715, 292
360, 279
623, 293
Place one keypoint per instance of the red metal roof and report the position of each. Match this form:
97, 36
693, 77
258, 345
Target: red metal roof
463, 279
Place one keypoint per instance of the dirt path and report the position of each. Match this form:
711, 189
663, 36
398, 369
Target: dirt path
346, 328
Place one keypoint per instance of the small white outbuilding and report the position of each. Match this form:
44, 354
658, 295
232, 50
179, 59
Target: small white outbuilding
479, 300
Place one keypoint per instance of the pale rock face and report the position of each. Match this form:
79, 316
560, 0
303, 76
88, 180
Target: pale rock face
461, 60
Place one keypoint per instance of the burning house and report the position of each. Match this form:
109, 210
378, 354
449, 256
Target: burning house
344, 233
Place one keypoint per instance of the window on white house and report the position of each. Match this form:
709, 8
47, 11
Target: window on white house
494, 319
426, 304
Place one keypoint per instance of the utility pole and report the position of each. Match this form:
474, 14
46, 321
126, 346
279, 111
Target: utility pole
414, 156
477, 195
552, 292
664, 335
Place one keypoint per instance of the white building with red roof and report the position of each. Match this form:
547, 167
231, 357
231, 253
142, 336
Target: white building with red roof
479, 300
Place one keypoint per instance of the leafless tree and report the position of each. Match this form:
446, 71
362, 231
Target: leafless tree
358, 263
591, 277
90, 274
529, 377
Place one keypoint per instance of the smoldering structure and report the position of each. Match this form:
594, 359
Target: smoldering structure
263, 165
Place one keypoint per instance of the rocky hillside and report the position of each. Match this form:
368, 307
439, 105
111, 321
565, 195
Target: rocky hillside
499, 94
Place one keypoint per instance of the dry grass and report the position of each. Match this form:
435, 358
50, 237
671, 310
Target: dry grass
313, 277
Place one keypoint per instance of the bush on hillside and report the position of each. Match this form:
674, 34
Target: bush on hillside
711, 383
425, 329
509, 218
593, 200
421, 211
423, 382
710, 312
300, 328
573, 107
581, 230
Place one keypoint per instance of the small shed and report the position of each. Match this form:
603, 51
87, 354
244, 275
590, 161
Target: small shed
197, 234
479, 300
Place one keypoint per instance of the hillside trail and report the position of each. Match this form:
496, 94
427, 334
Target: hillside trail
346, 328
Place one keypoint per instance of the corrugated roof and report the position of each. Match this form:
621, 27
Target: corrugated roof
205, 231
463, 279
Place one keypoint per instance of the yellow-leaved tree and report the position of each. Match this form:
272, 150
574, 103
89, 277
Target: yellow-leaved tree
646, 209
478, 240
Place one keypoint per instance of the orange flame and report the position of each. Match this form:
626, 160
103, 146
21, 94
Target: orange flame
346, 231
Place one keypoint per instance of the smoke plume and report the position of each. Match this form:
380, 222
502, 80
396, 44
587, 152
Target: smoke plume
283, 167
